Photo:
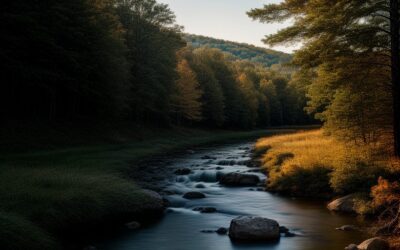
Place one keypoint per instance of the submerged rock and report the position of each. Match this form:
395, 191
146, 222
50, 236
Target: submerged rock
207, 231
344, 204
283, 230
238, 179
194, 195
290, 234
200, 186
222, 231
206, 210
249, 228
374, 244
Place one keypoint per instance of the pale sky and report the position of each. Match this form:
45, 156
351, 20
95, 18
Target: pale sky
224, 19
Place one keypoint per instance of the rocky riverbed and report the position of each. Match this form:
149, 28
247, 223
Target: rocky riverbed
207, 189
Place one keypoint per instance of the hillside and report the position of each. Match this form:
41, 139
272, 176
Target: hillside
242, 51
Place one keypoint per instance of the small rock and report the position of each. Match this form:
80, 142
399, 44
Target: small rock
249, 228
374, 244
133, 225
183, 171
200, 186
344, 204
208, 231
351, 247
290, 234
222, 231
194, 195
283, 230
261, 189
206, 210
219, 168
347, 228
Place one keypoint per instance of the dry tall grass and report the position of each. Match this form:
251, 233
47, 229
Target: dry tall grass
313, 164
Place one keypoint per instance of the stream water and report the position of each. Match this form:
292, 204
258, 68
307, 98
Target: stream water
181, 227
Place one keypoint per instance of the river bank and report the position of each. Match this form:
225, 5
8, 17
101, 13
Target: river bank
50, 198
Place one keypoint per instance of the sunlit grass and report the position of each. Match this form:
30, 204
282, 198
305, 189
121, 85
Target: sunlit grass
313, 164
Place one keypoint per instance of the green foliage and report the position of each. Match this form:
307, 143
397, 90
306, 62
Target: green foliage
240, 51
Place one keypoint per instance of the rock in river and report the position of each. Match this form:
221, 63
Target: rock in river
249, 228
222, 231
238, 179
374, 244
344, 204
205, 210
194, 195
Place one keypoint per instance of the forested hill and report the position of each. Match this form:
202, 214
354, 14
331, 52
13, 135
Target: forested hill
242, 51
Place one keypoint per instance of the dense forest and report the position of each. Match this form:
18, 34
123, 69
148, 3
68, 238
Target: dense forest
266, 57
128, 60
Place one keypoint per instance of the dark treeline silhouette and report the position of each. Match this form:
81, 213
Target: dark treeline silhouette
127, 60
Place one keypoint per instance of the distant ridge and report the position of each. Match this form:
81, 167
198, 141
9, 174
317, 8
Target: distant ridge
243, 51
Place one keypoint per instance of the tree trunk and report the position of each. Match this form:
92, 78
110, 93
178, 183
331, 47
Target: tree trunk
395, 56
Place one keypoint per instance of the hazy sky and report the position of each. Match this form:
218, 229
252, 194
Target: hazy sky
225, 19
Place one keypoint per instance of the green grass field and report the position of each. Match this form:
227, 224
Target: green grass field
69, 191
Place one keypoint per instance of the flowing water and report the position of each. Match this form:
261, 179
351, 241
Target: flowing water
181, 227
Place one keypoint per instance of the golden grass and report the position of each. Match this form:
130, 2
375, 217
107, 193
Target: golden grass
311, 163
303, 149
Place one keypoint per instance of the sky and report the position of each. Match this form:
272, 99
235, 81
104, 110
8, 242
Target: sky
225, 19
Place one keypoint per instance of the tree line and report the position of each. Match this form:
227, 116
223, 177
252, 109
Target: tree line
127, 59
349, 64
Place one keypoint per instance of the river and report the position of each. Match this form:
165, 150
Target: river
181, 227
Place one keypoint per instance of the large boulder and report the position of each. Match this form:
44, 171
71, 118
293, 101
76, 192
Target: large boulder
374, 244
249, 228
239, 179
343, 205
